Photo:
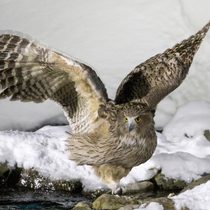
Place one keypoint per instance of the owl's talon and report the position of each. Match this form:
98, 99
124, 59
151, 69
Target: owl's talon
117, 191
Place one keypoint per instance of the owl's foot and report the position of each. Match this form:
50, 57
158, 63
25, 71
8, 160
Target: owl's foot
117, 191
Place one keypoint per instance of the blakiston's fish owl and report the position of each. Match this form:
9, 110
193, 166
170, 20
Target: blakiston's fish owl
111, 135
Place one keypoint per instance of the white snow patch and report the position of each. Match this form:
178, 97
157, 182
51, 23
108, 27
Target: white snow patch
29, 116
151, 206
182, 166
190, 120
196, 199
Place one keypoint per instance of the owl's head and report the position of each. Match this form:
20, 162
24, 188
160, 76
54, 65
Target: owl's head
135, 116
129, 117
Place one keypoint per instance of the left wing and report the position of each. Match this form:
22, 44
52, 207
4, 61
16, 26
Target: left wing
29, 71
152, 80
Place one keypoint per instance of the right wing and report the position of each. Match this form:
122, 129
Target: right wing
158, 76
30, 71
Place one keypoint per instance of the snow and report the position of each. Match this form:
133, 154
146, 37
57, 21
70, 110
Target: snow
151, 206
198, 198
192, 119
29, 116
113, 37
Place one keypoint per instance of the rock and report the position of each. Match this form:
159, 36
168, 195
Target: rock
82, 206
129, 207
9, 176
167, 203
93, 194
197, 182
112, 202
3, 169
165, 183
207, 134
138, 187
32, 179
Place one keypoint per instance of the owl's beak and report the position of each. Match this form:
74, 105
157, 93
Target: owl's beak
131, 125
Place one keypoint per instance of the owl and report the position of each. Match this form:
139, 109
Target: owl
112, 136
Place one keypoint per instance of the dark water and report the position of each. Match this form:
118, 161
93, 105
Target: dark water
22, 199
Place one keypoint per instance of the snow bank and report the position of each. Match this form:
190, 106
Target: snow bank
179, 165
198, 198
29, 116
112, 36
189, 121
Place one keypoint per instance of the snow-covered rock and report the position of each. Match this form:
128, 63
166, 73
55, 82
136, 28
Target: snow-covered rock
198, 198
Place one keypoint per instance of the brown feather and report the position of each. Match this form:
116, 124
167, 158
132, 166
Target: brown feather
152, 80
31, 72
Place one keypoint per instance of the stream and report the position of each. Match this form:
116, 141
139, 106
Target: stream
37, 199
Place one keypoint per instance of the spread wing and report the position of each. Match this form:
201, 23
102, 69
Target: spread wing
152, 80
30, 71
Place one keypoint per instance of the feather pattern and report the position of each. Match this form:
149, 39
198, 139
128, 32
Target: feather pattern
31, 72
152, 80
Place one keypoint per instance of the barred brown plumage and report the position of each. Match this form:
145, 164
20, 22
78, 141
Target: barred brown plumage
112, 136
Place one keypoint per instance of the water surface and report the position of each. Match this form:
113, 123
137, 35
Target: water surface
37, 199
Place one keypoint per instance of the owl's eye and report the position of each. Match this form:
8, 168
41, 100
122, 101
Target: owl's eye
138, 119
125, 119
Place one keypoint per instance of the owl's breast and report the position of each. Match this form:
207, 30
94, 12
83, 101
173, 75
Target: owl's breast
131, 140
135, 150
